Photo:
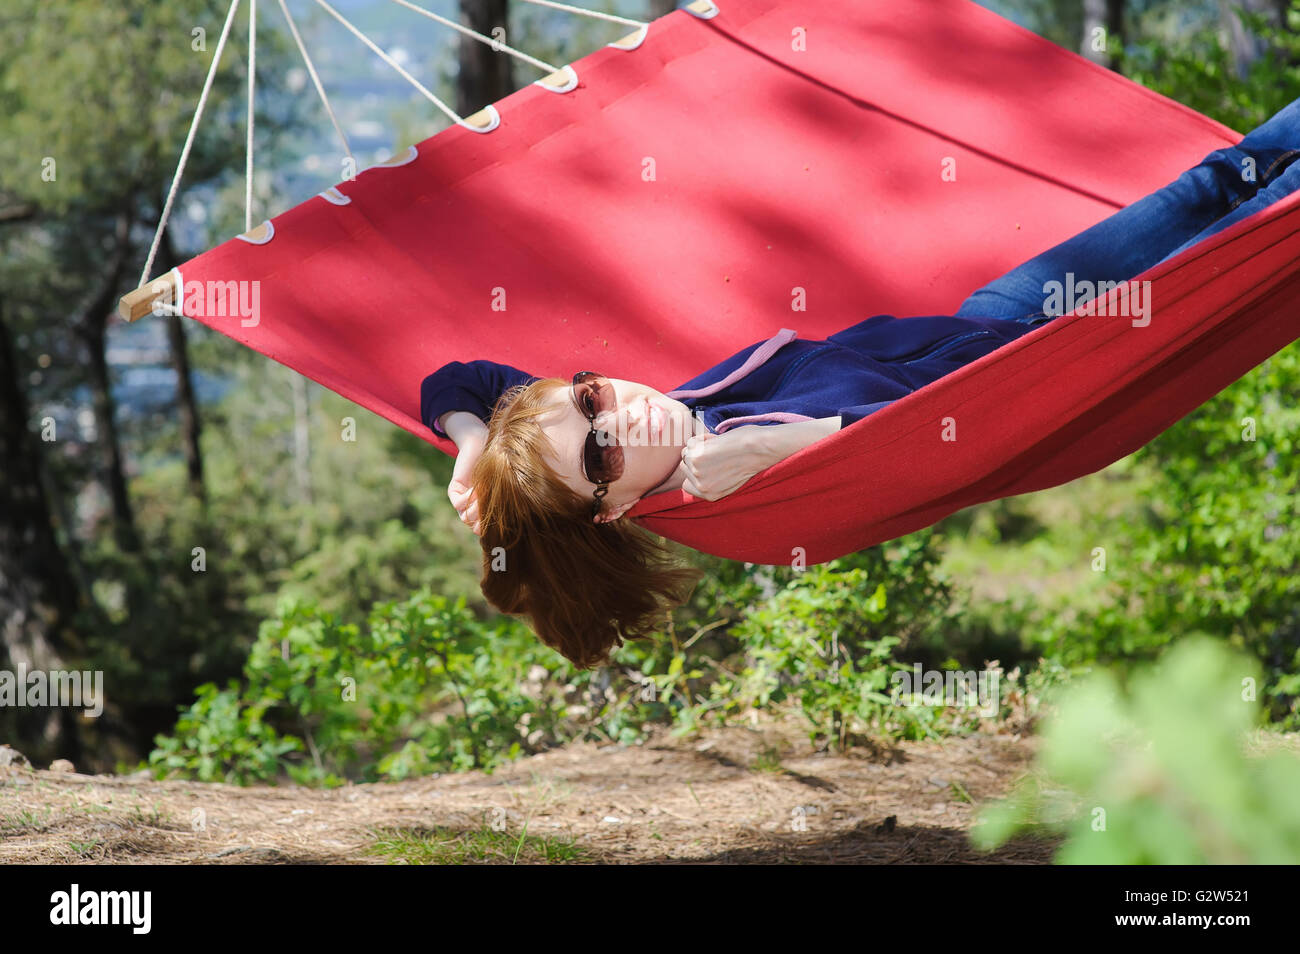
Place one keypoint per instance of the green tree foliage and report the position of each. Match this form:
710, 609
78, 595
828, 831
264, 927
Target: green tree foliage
380, 529
107, 91
1196, 67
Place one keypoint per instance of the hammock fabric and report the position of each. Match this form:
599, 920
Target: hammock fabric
777, 168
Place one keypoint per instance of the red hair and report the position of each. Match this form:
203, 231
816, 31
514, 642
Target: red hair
583, 586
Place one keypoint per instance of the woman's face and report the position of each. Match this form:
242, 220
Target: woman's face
651, 428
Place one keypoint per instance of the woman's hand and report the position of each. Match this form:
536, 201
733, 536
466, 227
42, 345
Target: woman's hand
470, 435
459, 491
462, 498
719, 464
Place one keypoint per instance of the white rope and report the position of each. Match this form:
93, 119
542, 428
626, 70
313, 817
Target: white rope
320, 88
252, 73
587, 13
189, 142
391, 62
495, 44
311, 69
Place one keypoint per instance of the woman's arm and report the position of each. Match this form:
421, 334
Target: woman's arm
776, 442
462, 427
716, 465
466, 386
456, 402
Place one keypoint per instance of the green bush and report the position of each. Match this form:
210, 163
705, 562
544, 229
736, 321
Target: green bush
221, 739
813, 641
1157, 774
829, 638
425, 687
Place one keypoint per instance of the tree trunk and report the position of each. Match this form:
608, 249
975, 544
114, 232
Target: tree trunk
485, 74
38, 594
1106, 16
187, 408
91, 323
1115, 23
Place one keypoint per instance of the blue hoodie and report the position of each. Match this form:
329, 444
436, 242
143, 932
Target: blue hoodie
852, 373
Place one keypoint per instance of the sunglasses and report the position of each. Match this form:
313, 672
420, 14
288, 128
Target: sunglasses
602, 459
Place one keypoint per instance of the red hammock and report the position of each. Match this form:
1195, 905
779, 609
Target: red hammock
776, 167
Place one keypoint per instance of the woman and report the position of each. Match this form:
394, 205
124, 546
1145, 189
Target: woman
547, 467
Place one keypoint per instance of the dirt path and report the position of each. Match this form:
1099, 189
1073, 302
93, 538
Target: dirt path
721, 798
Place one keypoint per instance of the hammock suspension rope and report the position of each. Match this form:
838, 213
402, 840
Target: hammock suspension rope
491, 117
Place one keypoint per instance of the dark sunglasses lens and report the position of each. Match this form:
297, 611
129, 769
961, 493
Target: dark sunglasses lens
603, 462
593, 393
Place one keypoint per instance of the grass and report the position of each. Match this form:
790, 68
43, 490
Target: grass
154, 816
24, 820
83, 849
768, 760
960, 791
449, 846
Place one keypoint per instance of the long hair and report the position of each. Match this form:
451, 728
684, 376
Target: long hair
583, 586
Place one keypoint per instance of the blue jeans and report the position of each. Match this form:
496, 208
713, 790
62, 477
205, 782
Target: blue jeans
1205, 199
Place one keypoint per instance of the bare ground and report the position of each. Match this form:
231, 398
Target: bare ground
666, 801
